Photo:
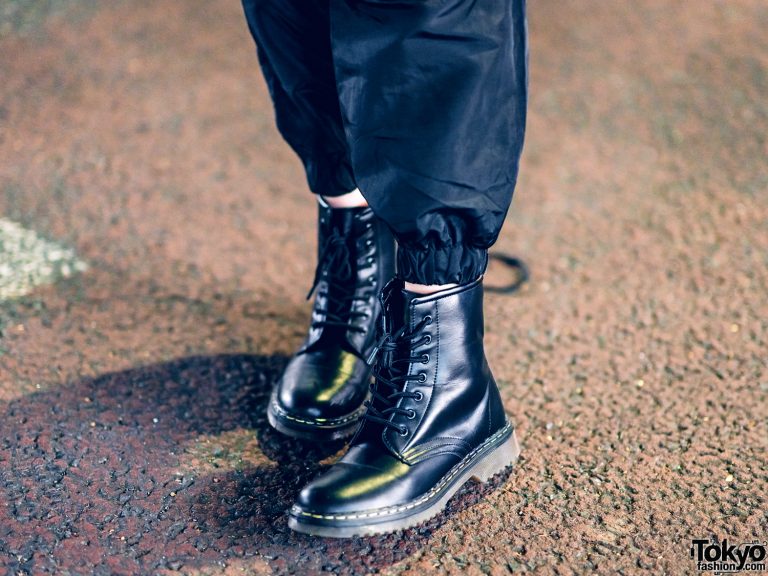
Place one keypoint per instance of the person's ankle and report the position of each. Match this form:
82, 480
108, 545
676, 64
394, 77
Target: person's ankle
428, 289
353, 199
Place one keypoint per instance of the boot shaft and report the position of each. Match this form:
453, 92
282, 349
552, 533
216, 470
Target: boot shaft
322, 390
356, 256
454, 401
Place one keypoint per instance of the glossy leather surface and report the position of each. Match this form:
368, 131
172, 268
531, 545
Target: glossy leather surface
326, 382
454, 408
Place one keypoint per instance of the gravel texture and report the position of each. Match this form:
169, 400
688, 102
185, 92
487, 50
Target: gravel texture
634, 362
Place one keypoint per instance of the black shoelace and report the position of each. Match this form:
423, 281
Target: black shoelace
522, 273
395, 352
335, 266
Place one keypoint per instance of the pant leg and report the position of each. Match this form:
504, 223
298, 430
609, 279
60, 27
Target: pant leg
433, 96
293, 44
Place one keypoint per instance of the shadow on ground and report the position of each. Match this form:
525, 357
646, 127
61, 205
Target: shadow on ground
97, 477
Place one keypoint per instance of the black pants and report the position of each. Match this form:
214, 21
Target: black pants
419, 103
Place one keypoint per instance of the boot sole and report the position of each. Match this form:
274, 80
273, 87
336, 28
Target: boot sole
312, 430
495, 455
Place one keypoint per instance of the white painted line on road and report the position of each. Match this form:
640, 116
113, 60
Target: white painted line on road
28, 260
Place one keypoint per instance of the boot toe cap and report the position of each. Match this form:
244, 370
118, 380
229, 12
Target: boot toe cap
321, 388
351, 489
366, 481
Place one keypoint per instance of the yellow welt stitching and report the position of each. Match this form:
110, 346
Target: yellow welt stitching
431, 494
319, 421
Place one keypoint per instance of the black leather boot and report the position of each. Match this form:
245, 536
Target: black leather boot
321, 393
435, 421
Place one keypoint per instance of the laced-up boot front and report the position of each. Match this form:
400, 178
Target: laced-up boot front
321, 393
435, 420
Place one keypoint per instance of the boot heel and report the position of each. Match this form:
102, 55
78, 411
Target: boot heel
497, 460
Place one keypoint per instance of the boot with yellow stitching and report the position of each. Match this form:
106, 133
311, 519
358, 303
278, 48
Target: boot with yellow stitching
321, 393
435, 420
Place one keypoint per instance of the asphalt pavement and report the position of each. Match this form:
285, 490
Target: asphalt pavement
157, 242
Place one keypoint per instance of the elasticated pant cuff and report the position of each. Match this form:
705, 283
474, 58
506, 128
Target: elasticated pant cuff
459, 264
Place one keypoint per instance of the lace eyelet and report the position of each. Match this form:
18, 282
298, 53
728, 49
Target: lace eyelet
411, 414
425, 358
428, 339
427, 319
368, 243
422, 377
369, 260
372, 280
419, 396
403, 431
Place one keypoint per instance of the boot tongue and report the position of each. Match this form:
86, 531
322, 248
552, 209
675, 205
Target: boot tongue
346, 221
342, 258
406, 298
337, 268
395, 303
